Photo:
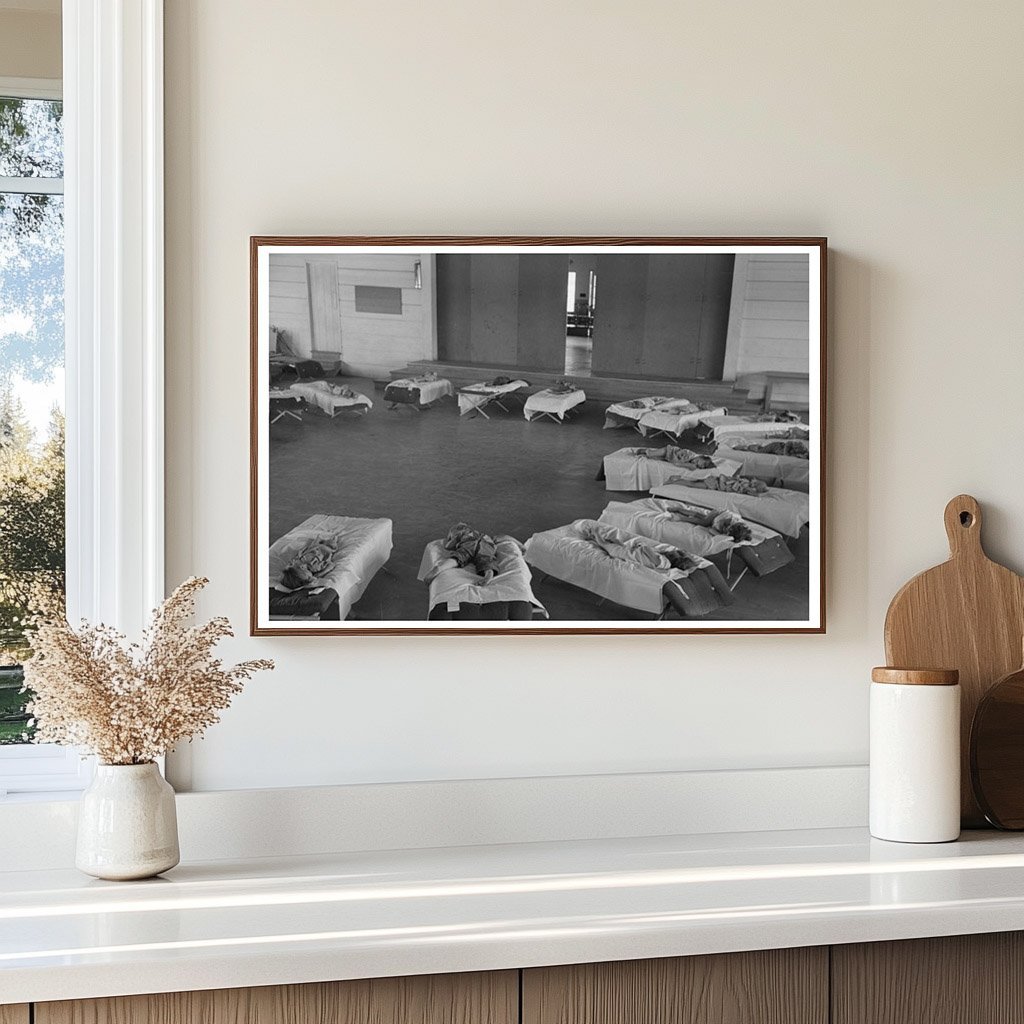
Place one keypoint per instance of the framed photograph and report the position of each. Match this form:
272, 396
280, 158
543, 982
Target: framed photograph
537, 435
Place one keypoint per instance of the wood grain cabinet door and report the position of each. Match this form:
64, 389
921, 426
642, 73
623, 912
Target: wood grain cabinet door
963, 979
14, 1014
781, 986
491, 998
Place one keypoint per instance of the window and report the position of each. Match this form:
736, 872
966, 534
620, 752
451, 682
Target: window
32, 488
32, 571
112, 121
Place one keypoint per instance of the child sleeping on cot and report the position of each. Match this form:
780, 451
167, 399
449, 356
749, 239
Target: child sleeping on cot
473, 548
313, 562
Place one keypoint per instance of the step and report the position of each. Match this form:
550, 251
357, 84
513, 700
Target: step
600, 388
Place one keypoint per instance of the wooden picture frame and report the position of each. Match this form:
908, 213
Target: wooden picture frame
384, 361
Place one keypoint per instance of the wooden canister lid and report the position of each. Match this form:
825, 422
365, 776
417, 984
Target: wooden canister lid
916, 676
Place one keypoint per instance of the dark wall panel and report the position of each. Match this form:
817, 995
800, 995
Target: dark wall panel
619, 320
675, 286
662, 316
500, 310
453, 308
542, 281
714, 325
494, 300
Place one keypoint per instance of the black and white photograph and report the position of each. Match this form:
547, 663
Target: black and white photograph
537, 435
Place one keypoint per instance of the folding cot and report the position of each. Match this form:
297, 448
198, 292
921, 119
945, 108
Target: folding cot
299, 365
556, 405
788, 471
699, 531
675, 417
331, 398
475, 398
419, 392
627, 414
643, 578
786, 511
284, 402
719, 428
640, 469
363, 547
460, 594
284, 357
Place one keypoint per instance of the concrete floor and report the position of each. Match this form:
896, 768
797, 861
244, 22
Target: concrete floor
428, 470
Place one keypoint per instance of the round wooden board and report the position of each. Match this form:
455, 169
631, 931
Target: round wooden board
968, 614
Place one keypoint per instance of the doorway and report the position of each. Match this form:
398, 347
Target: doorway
580, 311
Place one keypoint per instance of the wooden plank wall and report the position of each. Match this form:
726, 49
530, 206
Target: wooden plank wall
662, 316
502, 310
16, 1014
769, 319
371, 344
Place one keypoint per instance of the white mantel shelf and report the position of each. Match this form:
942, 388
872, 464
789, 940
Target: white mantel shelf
227, 924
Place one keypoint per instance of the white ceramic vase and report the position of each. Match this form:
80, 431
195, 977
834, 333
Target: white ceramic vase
127, 825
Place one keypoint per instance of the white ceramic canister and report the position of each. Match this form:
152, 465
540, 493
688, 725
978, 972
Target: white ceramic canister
915, 755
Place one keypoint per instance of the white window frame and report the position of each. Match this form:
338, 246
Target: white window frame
114, 335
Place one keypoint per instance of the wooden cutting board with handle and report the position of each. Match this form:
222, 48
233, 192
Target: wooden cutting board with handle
967, 614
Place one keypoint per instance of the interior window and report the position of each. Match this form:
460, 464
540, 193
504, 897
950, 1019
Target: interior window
31, 386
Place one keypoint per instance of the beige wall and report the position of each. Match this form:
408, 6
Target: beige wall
894, 129
29, 44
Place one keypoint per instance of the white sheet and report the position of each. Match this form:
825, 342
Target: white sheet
785, 511
649, 517
631, 469
564, 554
318, 393
366, 547
631, 410
675, 417
722, 427
452, 586
547, 401
430, 390
778, 470
474, 395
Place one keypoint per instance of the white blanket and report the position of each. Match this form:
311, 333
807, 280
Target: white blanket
452, 586
721, 427
365, 547
430, 390
475, 395
651, 517
319, 393
675, 417
787, 512
778, 470
631, 410
632, 469
566, 555
547, 401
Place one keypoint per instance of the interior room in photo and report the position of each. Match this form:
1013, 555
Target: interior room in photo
568, 436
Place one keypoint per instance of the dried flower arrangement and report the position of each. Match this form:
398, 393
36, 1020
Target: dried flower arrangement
128, 704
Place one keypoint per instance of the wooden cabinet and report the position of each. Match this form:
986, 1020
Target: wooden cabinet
963, 979
780, 986
972, 979
491, 998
